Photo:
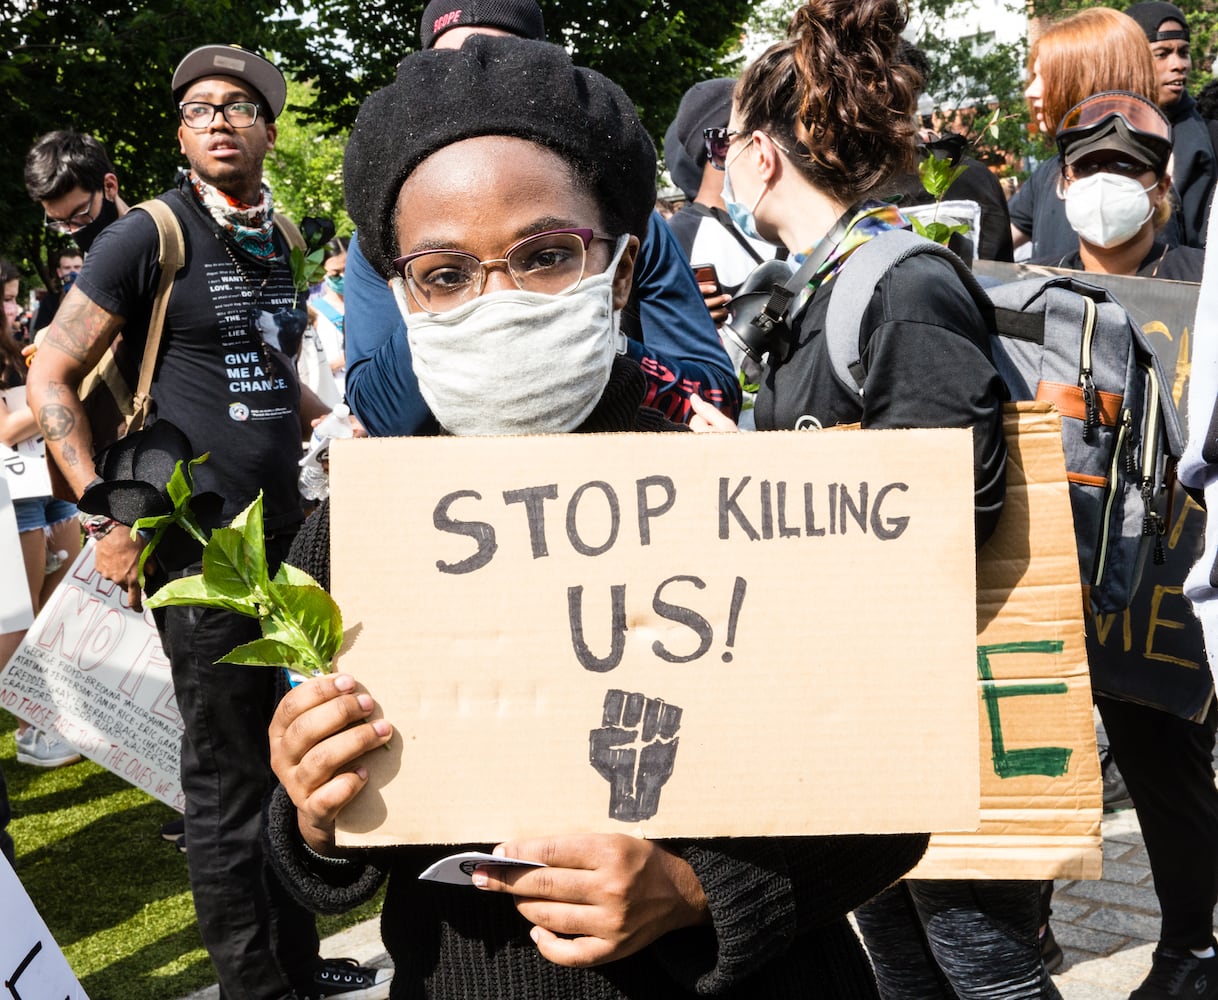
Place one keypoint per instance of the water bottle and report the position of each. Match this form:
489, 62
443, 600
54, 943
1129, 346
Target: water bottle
314, 481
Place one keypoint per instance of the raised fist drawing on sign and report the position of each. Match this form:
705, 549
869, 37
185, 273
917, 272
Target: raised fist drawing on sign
634, 751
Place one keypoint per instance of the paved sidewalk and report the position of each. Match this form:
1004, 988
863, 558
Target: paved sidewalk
1108, 929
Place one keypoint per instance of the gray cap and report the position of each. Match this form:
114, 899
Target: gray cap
238, 62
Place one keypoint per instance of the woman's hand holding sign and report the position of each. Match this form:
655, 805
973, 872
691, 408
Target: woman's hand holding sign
602, 897
315, 737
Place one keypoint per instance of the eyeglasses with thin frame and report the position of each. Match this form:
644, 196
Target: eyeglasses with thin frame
78, 221
199, 115
551, 263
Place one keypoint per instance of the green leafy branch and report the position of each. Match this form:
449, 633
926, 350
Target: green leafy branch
937, 174
302, 628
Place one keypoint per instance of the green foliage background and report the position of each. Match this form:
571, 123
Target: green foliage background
104, 66
114, 895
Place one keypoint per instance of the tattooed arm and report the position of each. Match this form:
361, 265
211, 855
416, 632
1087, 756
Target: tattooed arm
77, 338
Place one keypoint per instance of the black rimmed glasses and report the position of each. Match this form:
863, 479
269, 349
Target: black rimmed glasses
551, 263
78, 221
200, 114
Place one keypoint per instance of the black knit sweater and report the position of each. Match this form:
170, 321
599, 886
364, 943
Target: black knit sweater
777, 905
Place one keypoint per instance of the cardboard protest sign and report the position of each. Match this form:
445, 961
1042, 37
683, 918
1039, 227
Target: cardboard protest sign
93, 671
1153, 651
24, 467
31, 965
668, 634
1040, 776
16, 611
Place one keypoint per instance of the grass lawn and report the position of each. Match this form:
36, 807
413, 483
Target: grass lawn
115, 896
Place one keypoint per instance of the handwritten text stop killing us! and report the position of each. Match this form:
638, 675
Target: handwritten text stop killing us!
747, 508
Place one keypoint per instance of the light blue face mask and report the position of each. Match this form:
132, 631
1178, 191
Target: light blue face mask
335, 283
741, 215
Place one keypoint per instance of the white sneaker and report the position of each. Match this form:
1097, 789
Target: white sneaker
40, 749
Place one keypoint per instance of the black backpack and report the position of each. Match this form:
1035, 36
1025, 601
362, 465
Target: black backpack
1063, 340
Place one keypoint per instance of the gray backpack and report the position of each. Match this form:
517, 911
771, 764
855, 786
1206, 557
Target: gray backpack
1061, 340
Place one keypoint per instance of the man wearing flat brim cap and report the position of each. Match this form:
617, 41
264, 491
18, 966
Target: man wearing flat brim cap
240, 64
225, 376
1195, 165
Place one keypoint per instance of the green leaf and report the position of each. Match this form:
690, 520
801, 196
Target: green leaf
311, 610
265, 653
196, 590
179, 487
249, 523
289, 574
225, 568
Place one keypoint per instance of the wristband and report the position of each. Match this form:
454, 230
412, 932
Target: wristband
97, 526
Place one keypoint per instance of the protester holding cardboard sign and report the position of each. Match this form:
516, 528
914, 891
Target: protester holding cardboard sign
509, 231
821, 123
1115, 150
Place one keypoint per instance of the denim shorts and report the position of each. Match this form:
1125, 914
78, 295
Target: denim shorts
41, 512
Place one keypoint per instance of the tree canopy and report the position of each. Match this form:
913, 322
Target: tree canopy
104, 66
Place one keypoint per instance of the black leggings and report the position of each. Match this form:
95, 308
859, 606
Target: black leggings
957, 940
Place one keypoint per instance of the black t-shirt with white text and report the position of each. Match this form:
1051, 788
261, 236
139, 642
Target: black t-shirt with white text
224, 374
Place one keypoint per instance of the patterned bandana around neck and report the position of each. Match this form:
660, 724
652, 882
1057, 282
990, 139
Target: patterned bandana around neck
249, 226
873, 218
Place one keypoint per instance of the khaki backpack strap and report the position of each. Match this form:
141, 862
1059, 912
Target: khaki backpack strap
171, 256
288, 230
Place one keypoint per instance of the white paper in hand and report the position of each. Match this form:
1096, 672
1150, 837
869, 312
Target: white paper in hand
458, 869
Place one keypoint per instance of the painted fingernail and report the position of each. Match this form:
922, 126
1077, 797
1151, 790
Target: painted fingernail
365, 701
479, 878
381, 727
362, 772
344, 682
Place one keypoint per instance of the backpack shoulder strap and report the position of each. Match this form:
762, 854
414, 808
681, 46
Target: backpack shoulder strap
852, 288
171, 256
289, 231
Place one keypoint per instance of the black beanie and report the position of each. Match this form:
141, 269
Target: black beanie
1150, 15
517, 17
705, 105
495, 86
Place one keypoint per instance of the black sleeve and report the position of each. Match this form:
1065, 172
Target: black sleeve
121, 270
319, 885
766, 894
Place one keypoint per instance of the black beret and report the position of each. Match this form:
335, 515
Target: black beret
705, 105
495, 86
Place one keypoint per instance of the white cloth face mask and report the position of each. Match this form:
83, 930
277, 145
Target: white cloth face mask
1106, 210
516, 362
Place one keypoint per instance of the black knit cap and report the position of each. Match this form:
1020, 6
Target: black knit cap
705, 105
1150, 15
496, 86
518, 17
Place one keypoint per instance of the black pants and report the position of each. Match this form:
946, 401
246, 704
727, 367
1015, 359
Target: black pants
259, 940
971, 939
1167, 764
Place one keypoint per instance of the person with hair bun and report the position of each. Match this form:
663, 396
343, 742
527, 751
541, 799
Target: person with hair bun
508, 228
1092, 51
822, 125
